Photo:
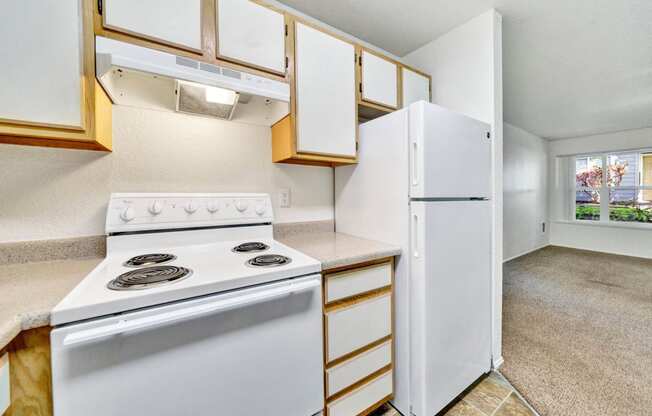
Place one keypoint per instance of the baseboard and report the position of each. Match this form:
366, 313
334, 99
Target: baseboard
527, 252
497, 363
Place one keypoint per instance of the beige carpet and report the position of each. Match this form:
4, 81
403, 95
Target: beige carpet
577, 332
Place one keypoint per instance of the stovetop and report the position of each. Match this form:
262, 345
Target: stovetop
154, 266
214, 268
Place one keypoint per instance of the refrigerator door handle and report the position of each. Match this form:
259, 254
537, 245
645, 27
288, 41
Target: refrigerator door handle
415, 239
415, 170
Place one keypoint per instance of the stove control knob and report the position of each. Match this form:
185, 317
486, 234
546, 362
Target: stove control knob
241, 205
260, 209
155, 208
191, 207
128, 214
213, 207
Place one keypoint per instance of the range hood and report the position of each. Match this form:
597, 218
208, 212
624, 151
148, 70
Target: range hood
141, 77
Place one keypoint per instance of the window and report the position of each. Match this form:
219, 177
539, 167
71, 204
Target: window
614, 187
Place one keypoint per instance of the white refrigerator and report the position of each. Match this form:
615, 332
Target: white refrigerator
423, 182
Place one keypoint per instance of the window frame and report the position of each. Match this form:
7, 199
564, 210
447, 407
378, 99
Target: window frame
604, 189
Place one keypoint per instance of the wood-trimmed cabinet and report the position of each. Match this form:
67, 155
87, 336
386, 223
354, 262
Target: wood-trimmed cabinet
415, 86
379, 84
50, 96
251, 34
191, 28
321, 128
358, 337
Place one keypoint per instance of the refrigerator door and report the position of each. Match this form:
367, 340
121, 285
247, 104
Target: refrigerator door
450, 258
450, 154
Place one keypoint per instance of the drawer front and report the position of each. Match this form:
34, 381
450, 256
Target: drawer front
363, 398
355, 326
350, 283
351, 371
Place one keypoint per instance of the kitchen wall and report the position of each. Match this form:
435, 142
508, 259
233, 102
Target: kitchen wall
56, 193
610, 238
466, 69
525, 188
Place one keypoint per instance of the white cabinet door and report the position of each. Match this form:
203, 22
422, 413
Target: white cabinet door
251, 34
415, 87
379, 81
325, 93
41, 70
176, 22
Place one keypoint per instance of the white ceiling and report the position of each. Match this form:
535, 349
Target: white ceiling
570, 67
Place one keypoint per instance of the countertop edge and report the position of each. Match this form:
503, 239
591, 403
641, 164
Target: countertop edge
350, 261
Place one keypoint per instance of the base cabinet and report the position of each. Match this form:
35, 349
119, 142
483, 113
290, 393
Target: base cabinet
30, 375
358, 338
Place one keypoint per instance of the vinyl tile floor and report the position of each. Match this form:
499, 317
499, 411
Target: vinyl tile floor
491, 396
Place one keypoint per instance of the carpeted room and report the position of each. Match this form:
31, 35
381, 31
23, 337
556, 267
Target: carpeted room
577, 331
577, 283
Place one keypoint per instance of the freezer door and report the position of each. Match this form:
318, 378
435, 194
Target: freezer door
450, 154
255, 351
450, 258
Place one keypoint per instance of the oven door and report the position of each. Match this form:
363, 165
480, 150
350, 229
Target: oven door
255, 351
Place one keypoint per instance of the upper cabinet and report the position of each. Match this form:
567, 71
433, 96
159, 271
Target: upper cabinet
322, 126
251, 34
49, 93
415, 86
176, 23
378, 80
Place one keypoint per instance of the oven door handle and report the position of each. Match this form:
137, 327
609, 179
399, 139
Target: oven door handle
166, 318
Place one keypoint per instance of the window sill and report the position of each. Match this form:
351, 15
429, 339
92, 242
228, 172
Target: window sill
612, 224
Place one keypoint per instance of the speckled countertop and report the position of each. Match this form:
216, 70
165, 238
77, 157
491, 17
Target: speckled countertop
337, 249
29, 291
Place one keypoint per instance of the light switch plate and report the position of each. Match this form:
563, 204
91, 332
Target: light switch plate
5, 398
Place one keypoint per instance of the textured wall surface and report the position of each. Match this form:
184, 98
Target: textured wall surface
59, 193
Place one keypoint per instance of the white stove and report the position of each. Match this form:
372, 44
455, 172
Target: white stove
195, 239
180, 268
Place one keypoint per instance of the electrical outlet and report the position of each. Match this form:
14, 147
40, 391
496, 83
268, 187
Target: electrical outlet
543, 227
284, 198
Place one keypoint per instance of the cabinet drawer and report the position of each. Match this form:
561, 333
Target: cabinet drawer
349, 283
360, 324
362, 398
351, 371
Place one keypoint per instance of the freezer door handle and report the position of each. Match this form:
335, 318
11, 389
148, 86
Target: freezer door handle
415, 168
415, 237
166, 318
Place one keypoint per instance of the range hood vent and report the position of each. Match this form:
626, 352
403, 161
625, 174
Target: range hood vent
194, 99
142, 77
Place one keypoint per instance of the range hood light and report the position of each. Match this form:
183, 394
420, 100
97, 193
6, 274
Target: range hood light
220, 96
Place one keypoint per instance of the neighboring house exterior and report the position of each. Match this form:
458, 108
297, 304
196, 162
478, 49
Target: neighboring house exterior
639, 173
